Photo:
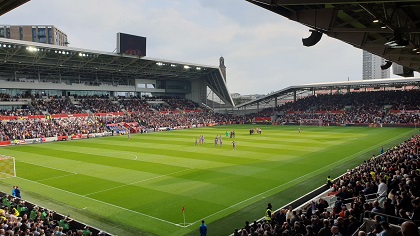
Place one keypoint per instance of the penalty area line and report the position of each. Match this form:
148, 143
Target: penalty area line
105, 203
136, 182
56, 177
48, 167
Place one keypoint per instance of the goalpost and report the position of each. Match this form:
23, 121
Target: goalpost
7, 167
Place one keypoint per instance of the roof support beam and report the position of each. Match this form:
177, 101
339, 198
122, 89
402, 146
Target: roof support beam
322, 2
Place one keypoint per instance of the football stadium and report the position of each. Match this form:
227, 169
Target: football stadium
100, 143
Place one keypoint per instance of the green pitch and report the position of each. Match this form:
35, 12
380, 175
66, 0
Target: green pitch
139, 186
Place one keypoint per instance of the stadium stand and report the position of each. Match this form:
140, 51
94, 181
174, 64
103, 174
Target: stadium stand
361, 108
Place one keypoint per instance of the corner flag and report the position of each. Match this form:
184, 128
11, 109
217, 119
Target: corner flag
183, 213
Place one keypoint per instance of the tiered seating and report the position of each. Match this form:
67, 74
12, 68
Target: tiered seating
99, 104
385, 107
56, 106
28, 129
134, 104
181, 104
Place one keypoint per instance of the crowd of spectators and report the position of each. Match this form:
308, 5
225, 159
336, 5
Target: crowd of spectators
385, 189
361, 107
10, 98
141, 122
27, 129
34, 128
79, 125
99, 105
56, 106
134, 105
20, 218
23, 111
356, 107
181, 103
398, 100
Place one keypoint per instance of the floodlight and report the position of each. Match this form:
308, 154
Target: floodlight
397, 41
386, 65
312, 39
32, 49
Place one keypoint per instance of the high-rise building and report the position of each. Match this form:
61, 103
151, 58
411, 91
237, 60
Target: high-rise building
372, 67
34, 33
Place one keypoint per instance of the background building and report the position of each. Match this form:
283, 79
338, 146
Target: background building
34, 33
372, 67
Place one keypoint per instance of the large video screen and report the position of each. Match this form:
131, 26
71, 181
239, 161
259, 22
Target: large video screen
131, 44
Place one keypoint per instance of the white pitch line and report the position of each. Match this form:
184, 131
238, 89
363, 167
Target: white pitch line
325, 167
56, 177
114, 155
48, 167
135, 156
136, 182
106, 203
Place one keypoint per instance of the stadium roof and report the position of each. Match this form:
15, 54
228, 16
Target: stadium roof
367, 25
344, 85
8, 5
32, 58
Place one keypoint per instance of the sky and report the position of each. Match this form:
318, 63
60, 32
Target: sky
263, 51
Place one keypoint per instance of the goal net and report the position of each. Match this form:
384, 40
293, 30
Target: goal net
7, 167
